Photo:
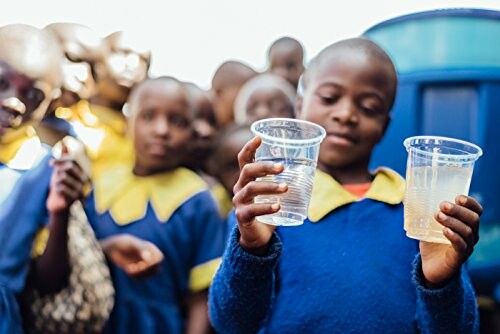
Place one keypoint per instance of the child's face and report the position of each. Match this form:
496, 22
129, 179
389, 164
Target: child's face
205, 127
223, 99
349, 94
161, 128
227, 168
288, 64
267, 103
19, 98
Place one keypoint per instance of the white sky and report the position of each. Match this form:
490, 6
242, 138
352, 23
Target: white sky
190, 38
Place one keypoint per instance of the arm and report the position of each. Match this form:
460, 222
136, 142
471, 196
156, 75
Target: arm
241, 292
446, 300
197, 318
52, 268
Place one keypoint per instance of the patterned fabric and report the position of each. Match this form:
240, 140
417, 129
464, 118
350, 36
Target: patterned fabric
85, 304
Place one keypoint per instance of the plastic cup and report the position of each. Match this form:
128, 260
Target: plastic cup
295, 144
438, 169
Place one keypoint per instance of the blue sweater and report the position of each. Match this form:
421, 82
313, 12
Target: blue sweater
351, 270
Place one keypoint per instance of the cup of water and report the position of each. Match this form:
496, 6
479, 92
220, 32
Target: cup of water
438, 169
295, 144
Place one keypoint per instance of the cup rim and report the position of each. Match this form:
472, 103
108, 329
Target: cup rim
317, 139
466, 155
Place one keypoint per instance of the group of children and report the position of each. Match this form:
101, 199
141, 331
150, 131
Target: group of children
154, 163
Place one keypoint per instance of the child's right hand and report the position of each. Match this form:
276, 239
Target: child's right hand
138, 258
255, 235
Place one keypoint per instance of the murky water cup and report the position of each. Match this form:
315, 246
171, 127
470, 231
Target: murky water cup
295, 144
438, 169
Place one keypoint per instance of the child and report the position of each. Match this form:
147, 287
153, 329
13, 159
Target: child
224, 162
30, 62
264, 96
349, 267
286, 59
226, 83
169, 206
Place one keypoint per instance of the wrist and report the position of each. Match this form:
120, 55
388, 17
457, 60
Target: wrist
254, 247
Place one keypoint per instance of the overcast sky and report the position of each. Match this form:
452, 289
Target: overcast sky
190, 38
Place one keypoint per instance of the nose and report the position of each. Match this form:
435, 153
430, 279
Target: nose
203, 130
161, 127
345, 112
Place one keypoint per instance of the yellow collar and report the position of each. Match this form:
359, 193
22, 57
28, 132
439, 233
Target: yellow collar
22, 152
94, 116
126, 196
328, 195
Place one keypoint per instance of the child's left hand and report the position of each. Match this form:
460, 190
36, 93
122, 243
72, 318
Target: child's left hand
440, 262
67, 183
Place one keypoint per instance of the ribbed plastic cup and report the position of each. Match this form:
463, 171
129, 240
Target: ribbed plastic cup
438, 169
295, 144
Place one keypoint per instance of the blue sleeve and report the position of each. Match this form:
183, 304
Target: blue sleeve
209, 231
451, 309
10, 317
241, 292
23, 214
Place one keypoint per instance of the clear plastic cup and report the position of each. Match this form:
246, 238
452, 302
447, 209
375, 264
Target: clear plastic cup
438, 169
295, 144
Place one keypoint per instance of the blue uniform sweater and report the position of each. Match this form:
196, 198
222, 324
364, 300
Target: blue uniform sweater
353, 271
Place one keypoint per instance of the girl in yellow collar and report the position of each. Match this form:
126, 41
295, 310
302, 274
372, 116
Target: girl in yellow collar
166, 206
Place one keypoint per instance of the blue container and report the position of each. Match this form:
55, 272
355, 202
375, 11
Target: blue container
448, 62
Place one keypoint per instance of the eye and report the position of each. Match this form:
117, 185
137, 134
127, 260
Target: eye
4, 84
179, 121
34, 95
329, 99
147, 115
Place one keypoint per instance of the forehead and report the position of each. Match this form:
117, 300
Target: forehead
353, 68
286, 52
164, 92
267, 93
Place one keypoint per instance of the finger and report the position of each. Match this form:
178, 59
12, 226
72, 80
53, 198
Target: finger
252, 171
247, 153
63, 177
246, 214
457, 242
156, 254
458, 227
69, 194
470, 203
462, 214
255, 188
71, 167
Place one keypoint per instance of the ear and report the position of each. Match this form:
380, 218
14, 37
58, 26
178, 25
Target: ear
298, 106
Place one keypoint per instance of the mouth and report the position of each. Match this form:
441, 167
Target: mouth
340, 139
157, 149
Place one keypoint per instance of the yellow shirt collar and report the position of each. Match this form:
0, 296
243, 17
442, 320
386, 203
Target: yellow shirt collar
328, 195
23, 151
94, 116
126, 196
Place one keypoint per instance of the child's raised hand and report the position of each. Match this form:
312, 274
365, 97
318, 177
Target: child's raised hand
441, 262
137, 257
67, 183
254, 235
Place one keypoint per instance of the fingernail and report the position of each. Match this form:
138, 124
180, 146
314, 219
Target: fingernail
447, 205
277, 166
462, 200
275, 206
282, 186
441, 216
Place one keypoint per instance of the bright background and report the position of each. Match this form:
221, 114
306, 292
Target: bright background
190, 38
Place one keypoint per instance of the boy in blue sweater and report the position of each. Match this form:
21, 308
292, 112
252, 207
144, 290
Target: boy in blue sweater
349, 268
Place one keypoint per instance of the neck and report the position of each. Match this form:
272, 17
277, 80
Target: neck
355, 174
146, 171
100, 101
